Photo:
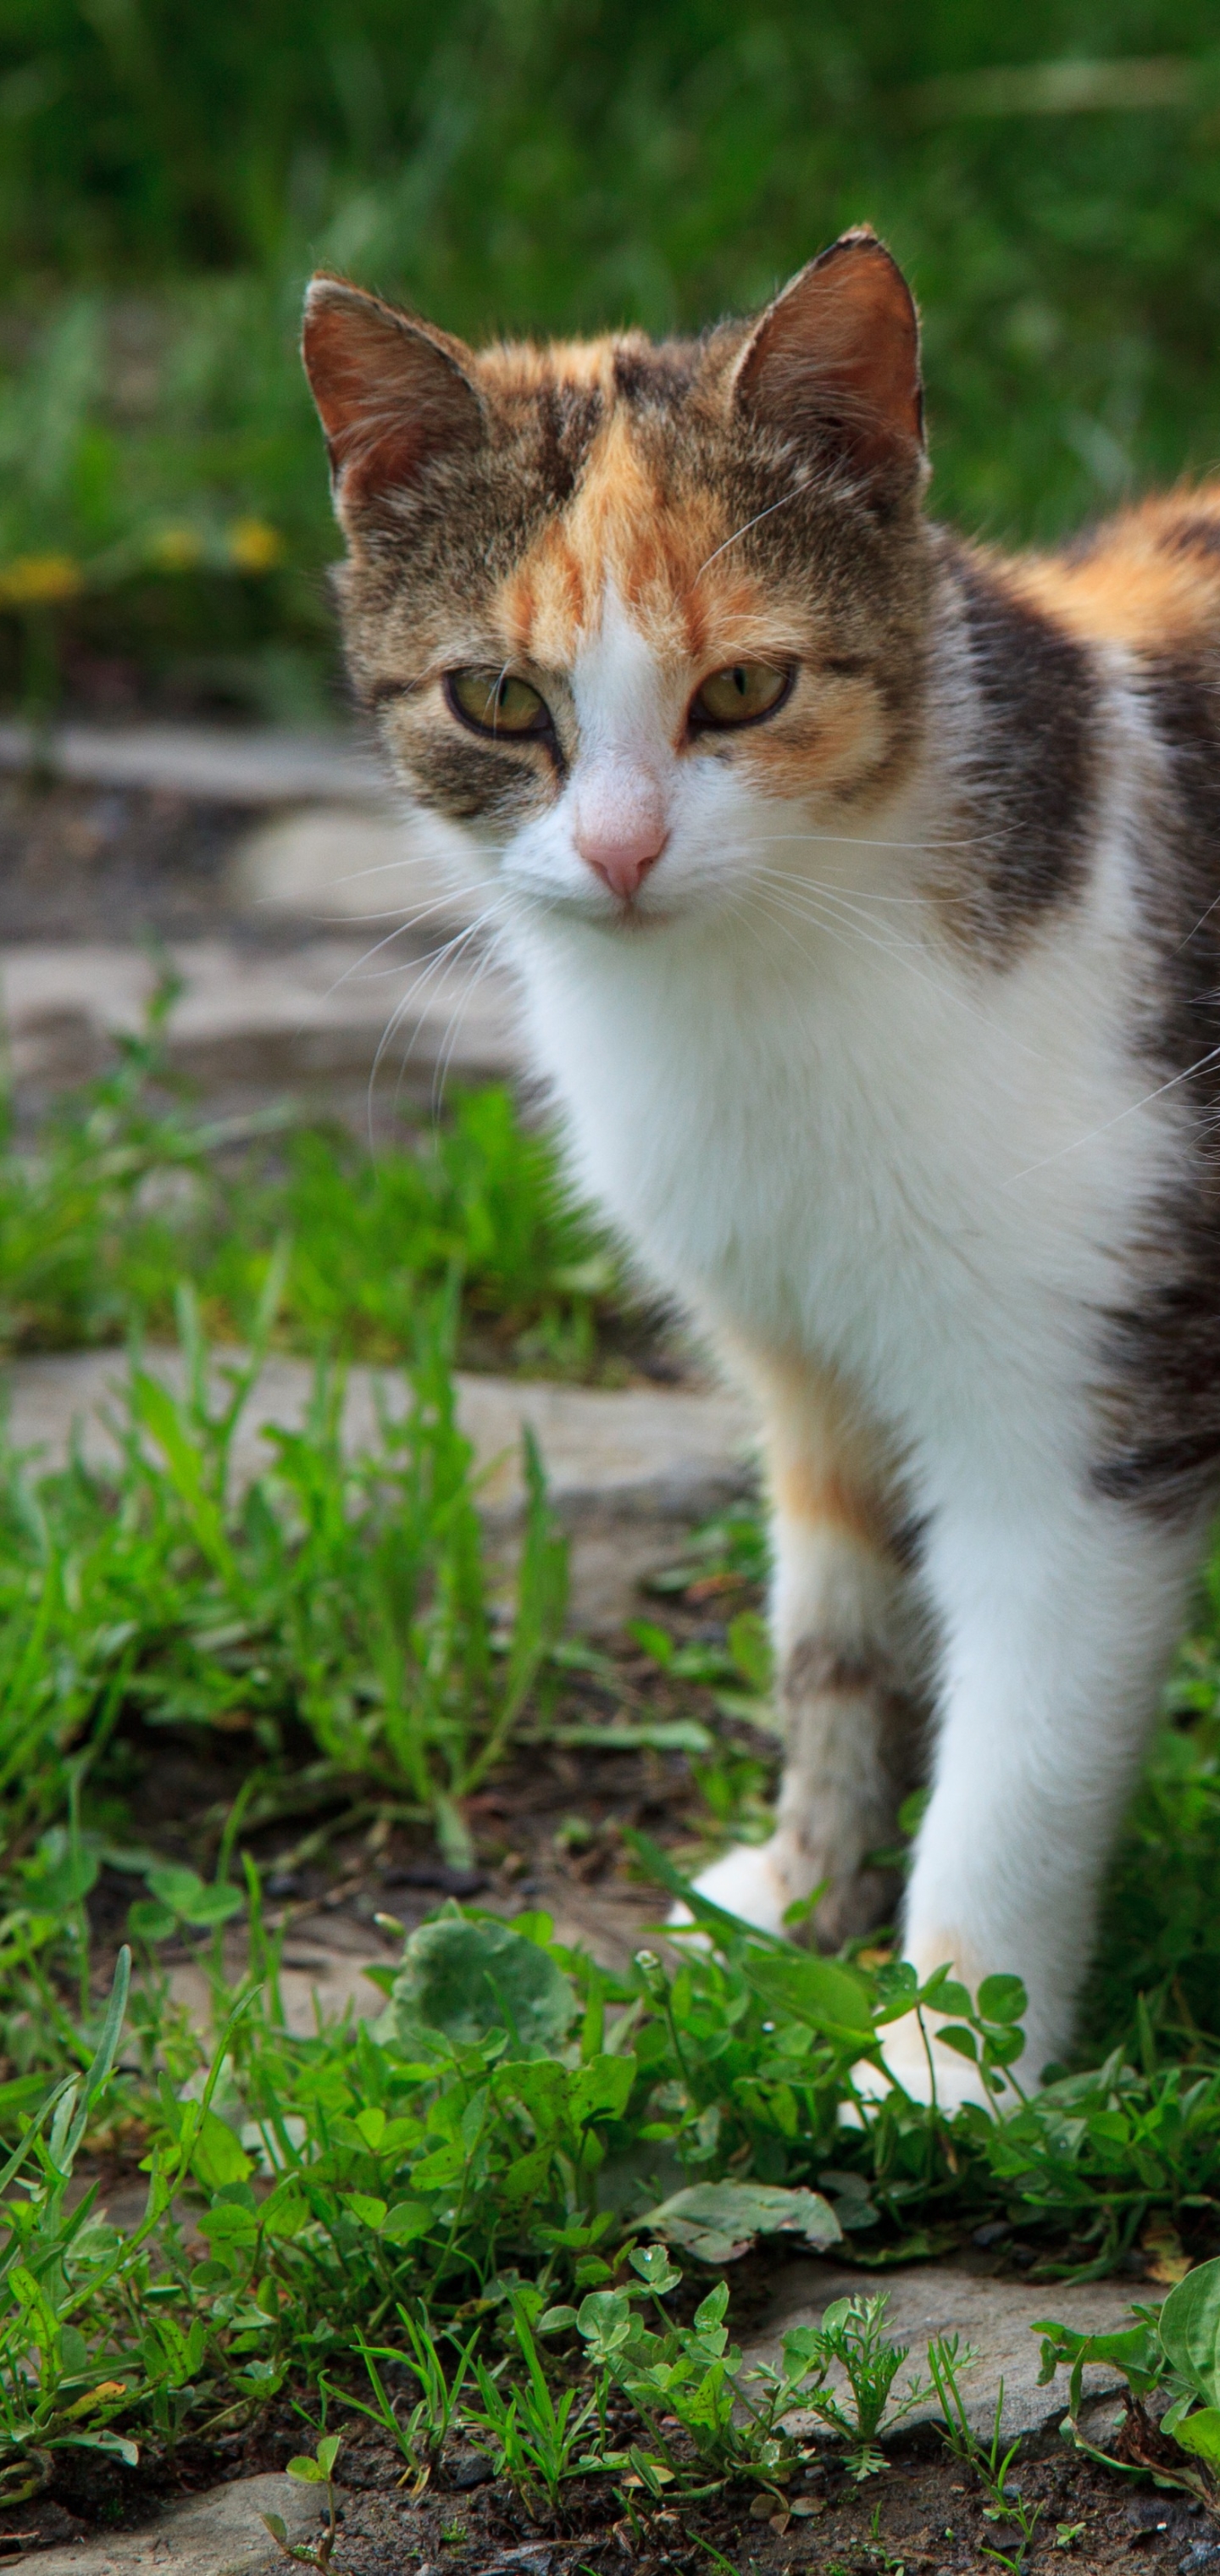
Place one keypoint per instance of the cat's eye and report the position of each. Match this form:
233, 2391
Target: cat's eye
497, 702
740, 694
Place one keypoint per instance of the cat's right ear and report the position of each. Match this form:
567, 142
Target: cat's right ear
391, 392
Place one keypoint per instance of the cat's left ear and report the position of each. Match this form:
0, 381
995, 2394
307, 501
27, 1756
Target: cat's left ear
836, 357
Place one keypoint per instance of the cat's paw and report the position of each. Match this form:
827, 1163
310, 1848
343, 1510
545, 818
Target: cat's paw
956, 2079
750, 1882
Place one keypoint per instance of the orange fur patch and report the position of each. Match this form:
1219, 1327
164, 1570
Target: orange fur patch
515, 367
1152, 578
823, 1467
624, 528
824, 1499
843, 742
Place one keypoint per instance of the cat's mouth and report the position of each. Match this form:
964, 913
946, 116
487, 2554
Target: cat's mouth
633, 922
628, 919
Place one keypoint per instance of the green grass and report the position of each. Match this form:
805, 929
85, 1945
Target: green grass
495, 2168
164, 193
481, 1198
124, 1191
476, 2178
338, 1608
1161, 1924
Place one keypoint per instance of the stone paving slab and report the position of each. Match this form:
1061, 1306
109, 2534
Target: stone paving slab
318, 1009
318, 1981
335, 862
216, 2534
629, 1472
225, 765
371, 894
960, 2297
325, 1963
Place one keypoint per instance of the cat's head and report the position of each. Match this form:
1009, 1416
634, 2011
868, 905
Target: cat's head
634, 612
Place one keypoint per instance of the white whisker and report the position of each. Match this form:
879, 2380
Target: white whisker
442, 964
759, 515
358, 963
449, 1041
900, 950
858, 841
1144, 1102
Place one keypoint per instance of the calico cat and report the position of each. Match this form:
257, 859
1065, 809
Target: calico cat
864, 887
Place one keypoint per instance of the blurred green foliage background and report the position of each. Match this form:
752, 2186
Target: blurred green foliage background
169, 173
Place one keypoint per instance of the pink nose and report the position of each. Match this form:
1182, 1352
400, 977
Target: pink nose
621, 830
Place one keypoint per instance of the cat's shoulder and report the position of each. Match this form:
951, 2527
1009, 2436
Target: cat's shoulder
1134, 601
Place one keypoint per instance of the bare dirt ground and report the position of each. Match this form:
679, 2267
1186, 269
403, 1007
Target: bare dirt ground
922, 2513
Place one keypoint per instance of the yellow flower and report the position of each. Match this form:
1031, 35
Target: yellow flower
254, 546
33, 581
176, 549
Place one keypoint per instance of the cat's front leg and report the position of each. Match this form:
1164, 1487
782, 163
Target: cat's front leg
1058, 1622
848, 1655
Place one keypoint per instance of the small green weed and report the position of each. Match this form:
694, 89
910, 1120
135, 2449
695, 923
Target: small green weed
534, 2434
851, 2334
1178, 2351
317, 2470
688, 2374
422, 2437
990, 2462
734, 2420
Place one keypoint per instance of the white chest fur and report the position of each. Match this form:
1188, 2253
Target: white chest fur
836, 1136
852, 1145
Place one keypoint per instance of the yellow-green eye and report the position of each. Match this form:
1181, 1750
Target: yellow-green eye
497, 702
740, 694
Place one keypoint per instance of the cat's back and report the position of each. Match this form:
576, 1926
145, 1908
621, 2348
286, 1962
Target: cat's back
1147, 580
